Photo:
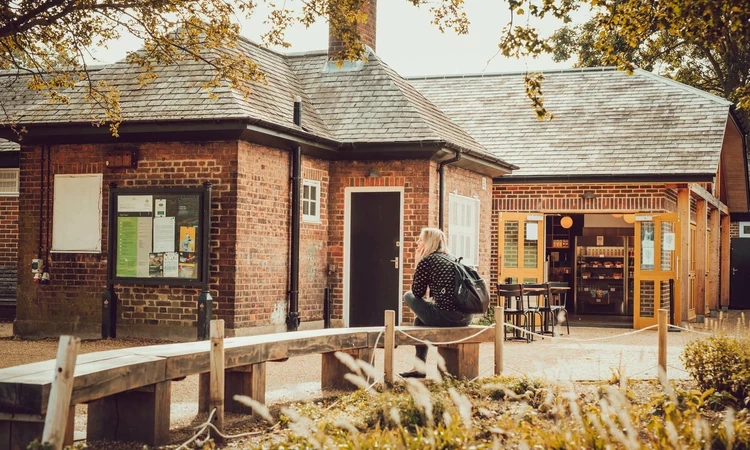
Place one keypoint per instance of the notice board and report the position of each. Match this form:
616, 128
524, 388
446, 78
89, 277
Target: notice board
157, 236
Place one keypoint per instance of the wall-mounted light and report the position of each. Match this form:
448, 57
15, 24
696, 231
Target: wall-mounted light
566, 222
373, 173
588, 195
616, 216
629, 218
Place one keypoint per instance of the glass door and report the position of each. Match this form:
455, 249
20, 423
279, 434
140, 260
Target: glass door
656, 254
520, 248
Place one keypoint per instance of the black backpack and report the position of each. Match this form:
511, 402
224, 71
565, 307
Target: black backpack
470, 294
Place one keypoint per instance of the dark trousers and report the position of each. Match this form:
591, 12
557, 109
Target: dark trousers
428, 314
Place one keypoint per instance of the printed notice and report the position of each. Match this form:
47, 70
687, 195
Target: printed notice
127, 246
171, 264
532, 231
648, 256
144, 245
135, 203
160, 207
164, 232
667, 241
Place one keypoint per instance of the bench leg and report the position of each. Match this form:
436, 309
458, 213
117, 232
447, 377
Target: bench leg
248, 380
333, 371
461, 360
140, 415
16, 435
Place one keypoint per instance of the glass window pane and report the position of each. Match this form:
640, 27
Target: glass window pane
313, 207
667, 256
647, 298
306, 192
305, 207
530, 250
314, 193
647, 245
510, 248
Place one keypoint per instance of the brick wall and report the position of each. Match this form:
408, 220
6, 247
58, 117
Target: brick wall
313, 252
9, 231
734, 229
567, 197
469, 184
71, 302
416, 178
421, 182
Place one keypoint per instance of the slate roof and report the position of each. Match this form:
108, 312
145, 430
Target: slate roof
374, 104
371, 105
606, 122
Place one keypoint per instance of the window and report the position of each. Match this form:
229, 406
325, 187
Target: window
744, 229
77, 214
311, 201
463, 229
8, 182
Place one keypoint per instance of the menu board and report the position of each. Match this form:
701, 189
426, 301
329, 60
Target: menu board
158, 236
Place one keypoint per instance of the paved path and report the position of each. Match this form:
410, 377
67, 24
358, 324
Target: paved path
566, 358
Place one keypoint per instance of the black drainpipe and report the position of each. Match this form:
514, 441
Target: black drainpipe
441, 171
292, 318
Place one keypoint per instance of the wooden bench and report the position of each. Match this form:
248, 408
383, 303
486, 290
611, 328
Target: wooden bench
128, 390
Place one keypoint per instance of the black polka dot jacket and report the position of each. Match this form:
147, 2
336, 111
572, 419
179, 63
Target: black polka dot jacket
436, 272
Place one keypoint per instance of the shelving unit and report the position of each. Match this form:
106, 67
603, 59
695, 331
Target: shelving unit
601, 275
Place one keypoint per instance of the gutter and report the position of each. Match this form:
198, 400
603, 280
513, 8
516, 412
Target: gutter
441, 171
604, 178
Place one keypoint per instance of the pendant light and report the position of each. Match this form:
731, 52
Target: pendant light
566, 222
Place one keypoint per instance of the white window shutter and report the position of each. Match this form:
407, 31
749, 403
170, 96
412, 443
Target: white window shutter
464, 228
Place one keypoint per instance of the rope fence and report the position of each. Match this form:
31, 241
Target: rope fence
390, 329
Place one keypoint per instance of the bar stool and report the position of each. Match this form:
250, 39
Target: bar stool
559, 297
512, 297
541, 307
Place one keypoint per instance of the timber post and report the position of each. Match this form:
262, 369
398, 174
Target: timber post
389, 340
499, 332
663, 325
58, 408
216, 396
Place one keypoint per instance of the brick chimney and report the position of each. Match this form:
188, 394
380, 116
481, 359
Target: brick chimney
365, 28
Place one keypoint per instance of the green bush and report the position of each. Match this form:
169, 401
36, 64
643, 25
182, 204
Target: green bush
720, 363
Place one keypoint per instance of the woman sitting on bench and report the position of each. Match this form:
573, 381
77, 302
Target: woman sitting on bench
435, 272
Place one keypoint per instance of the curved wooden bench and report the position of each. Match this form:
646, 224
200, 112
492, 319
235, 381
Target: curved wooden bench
128, 390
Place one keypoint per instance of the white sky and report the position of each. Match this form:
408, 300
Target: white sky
407, 41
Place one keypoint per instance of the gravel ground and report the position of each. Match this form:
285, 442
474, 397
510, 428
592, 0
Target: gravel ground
567, 358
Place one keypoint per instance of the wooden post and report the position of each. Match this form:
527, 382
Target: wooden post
499, 338
712, 291
247, 380
724, 270
682, 286
461, 360
332, 370
216, 396
140, 415
701, 222
663, 325
58, 407
388, 348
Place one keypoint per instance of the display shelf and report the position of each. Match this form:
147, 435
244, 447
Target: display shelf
601, 274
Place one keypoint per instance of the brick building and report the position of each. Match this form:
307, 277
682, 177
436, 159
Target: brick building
382, 157
374, 157
651, 167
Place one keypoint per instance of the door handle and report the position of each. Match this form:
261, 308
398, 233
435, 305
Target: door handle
734, 270
395, 262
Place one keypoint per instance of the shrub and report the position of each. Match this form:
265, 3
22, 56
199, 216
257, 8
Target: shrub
720, 363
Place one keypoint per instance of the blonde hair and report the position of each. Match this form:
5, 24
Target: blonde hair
433, 240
